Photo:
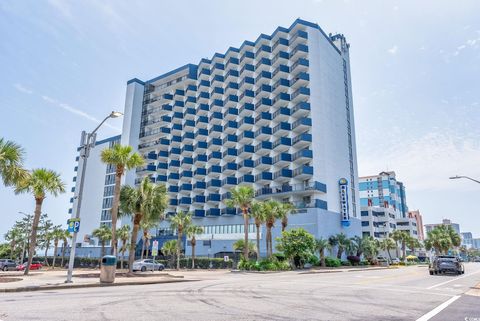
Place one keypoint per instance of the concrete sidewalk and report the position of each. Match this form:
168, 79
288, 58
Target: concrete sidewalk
46, 280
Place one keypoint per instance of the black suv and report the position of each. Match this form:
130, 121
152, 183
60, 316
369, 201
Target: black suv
446, 263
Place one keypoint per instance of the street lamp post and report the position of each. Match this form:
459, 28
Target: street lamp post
87, 142
458, 177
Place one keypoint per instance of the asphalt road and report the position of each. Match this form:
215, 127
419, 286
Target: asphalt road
399, 294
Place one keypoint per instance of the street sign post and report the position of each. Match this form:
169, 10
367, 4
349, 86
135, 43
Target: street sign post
154, 248
73, 225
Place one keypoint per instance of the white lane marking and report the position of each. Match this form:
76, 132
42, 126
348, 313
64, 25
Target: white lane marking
455, 279
435, 311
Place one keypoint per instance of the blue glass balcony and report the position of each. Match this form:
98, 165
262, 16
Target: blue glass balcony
187, 161
216, 129
301, 79
230, 140
247, 82
263, 177
200, 185
162, 166
301, 109
186, 200
173, 202
205, 71
201, 145
283, 175
282, 158
200, 172
248, 178
248, 69
302, 140
191, 88
232, 73
232, 111
151, 155
229, 211
199, 199
162, 154
199, 213
263, 148
218, 78
178, 115
178, 103
229, 181
281, 98
213, 212
303, 171
218, 90
299, 49
263, 133
282, 42
186, 187
187, 174
215, 155
202, 121
177, 127
246, 109
300, 93
302, 124
282, 129
263, 118
263, 105
204, 95
245, 150
191, 99
214, 197
174, 163
246, 122
176, 138
246, 137
174, 176
303, 155
231, 127
204, 83
203, 108
189, 123
263, 162
175, 150
230, 152
215, 169
219, 66
161, 178
301, 65
215, 142
233, 60
201, 159
246, 165
281, 70
173, 189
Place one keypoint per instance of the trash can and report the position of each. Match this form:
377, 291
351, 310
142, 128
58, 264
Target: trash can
107, 269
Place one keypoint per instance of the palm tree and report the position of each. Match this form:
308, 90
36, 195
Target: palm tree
359, 244
442, 238
180, 222
341, 241
14, 236
104, 234
66, 235
370, 247
402, 237
146, 226
240, 246
123, 234
169, 249
123, 158
242, 197
320, 245
57, 235
39, 182
192, 231
285, 209
258, 214
147, 202
388, 244
11, 159
271, 209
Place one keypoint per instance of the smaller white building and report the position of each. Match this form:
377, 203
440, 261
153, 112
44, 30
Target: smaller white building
97, 197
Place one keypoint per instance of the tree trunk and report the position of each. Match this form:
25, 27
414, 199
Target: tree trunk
55, 248
269, 241
123, 254
322, 257
33, 235
103, 251
114, 210
194, 242
47, 246
258, 241
284, 223
179, 247
388, 251
131, 255
340, 252
143, 246
63, 253
404, 251
245, 222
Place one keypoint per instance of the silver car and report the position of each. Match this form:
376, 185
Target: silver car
147, 265
6, 264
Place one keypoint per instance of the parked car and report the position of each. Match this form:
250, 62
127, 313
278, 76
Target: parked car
446, 263
34, 266
396, 261
6, 264
147, 265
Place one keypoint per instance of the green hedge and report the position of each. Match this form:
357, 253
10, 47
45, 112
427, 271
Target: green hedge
200, 263
332, 262
264, 265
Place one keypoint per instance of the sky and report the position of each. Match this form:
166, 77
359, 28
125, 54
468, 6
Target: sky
415, 72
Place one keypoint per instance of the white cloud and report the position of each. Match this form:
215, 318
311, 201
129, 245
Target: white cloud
393, 50
75, 111
23, 89
426, 163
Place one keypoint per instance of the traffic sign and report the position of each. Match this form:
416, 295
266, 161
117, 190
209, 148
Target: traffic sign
73, 225
226, 258
155, 248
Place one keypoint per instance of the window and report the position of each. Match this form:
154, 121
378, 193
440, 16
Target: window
364, 213
365, 223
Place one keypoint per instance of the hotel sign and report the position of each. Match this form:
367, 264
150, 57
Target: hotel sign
344, 212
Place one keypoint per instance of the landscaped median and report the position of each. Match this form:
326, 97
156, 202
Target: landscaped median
82, 279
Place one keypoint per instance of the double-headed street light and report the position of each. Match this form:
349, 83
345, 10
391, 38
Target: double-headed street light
87, 142
458, 177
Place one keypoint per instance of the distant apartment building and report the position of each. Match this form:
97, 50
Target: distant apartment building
97, 197
467, 239
476, 243
419, 223
447, 222
384, 207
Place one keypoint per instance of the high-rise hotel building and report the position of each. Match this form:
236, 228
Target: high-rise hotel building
275, 113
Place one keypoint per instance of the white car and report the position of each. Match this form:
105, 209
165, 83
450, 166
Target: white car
396, 261
147, 265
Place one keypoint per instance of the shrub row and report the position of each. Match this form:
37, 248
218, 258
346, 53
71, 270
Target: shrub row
272, 264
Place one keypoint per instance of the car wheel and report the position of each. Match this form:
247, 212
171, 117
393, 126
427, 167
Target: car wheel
160, 268
5, 269
431, 272
143, 269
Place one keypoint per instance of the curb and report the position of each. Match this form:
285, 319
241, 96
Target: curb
348, 270
89, 285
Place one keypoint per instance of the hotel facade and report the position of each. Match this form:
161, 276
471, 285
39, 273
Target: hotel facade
275, 113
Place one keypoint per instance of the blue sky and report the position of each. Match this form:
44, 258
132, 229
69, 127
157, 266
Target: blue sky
415, 68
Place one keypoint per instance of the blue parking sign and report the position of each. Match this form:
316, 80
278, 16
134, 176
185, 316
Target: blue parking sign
73, 225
